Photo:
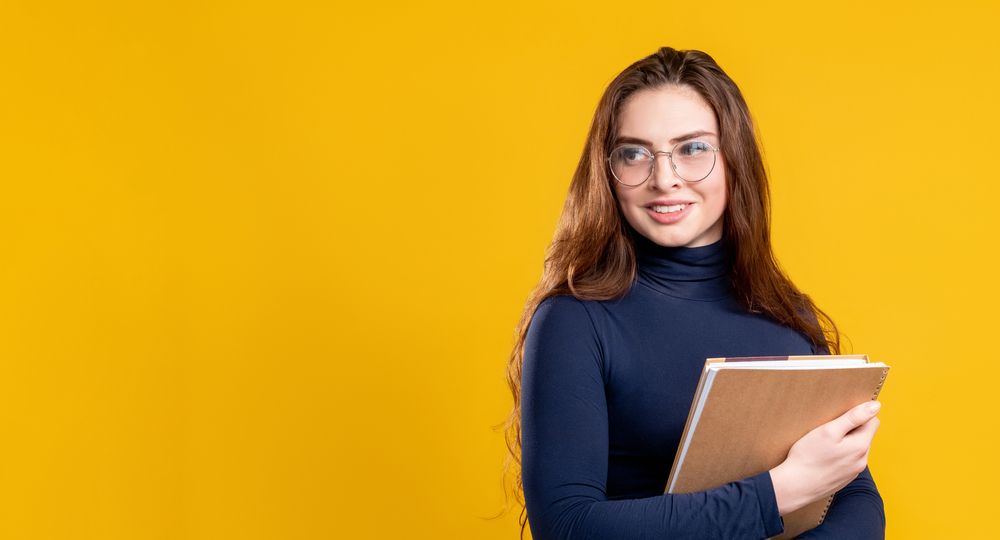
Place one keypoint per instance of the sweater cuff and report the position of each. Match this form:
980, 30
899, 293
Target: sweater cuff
773, 526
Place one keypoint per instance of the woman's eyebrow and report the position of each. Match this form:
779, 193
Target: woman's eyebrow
633, 140
692, 135
675, 140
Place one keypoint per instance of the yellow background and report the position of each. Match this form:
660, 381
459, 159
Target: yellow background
260, 263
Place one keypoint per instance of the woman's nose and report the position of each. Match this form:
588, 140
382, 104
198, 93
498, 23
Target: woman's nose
664, 177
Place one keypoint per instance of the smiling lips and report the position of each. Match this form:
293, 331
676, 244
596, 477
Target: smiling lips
667, 214
668, 209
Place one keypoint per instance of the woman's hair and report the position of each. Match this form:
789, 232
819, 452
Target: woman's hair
592, 256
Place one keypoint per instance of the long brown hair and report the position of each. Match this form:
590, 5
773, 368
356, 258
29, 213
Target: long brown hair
592, 256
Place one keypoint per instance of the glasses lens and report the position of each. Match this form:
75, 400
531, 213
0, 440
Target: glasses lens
631, 164
693, 160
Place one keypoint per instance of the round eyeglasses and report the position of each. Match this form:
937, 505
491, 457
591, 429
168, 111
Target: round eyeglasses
692, 161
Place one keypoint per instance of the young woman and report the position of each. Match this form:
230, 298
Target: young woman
661, 259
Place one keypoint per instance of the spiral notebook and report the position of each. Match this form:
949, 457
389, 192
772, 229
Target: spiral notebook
747, 413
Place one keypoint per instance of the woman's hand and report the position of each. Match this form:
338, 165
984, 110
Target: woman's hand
825, 459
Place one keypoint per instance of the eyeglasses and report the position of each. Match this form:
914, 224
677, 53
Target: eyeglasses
692, 161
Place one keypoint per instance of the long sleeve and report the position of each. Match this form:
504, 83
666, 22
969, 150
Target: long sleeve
605, 393
566, 451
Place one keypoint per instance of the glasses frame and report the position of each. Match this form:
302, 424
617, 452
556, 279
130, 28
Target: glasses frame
670, 157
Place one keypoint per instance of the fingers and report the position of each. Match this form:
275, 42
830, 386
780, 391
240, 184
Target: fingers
857, 444
858, 416
863, 435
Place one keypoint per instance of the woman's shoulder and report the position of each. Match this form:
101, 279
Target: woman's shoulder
594, 314
567, 314
563, 332
561, 308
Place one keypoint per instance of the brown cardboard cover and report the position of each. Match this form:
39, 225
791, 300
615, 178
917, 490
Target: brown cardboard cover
753, 416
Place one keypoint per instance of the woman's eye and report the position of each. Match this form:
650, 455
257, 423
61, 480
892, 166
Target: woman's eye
633, 155
694, 148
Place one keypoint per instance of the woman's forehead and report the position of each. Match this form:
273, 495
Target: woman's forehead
666, 114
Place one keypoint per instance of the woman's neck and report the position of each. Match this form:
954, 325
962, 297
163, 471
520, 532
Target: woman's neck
695, 273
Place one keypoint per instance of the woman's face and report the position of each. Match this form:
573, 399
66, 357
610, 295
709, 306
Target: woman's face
666, 209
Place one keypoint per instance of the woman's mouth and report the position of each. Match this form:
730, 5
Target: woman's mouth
668, 209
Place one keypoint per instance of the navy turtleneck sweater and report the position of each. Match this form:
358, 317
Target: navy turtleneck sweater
606, 390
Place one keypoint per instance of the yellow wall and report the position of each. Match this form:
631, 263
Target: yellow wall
260, 264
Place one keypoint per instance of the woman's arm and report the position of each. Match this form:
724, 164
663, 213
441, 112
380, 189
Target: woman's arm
565, 451
824, 461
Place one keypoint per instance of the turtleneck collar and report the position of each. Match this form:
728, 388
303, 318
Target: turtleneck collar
691, 273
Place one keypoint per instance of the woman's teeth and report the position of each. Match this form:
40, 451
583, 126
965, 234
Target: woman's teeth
669, 209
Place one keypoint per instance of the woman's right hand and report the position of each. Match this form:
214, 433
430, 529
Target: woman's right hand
826, 459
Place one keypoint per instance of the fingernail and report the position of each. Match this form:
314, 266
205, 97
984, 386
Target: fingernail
874, 406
